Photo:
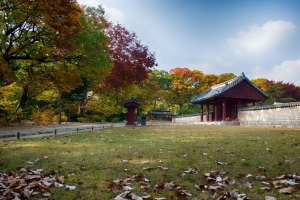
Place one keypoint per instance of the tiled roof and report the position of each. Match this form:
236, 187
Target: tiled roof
219, 89
271, 106
161, 112
132, 99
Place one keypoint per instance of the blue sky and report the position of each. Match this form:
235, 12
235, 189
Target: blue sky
259, 37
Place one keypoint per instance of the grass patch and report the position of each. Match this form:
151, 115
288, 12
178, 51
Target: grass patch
92, 160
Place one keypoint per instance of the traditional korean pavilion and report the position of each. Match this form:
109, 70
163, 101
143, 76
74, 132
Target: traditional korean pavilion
223, 100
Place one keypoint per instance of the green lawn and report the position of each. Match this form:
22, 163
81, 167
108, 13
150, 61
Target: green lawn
156, 162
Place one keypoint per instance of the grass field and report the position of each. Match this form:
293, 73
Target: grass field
155, 162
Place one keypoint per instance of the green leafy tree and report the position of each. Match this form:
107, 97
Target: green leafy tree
41, 54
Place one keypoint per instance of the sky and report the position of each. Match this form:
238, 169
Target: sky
258, 37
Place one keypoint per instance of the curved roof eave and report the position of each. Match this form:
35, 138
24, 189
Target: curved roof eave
219, 89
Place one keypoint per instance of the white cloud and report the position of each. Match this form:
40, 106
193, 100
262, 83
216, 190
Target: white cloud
204, 67
288, 71
261, 38
93, 3
225, 63
114, 15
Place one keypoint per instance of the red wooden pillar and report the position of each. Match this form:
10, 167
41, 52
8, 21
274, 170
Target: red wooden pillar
207, 112
240, 103
130, 116
224, 110
216, 112
253, 103
131, 104
201, 113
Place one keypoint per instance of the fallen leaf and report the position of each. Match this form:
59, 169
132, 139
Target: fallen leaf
269, 198
248, 185
127, 188
163, 168
265, 188
70, 187
122, 196
288, 190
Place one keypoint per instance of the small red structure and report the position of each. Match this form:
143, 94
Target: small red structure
131, 104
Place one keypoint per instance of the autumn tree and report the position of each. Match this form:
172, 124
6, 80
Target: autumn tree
52, 45
225, 77
185, 83
35, 31
131, 60
160, 85
34, 34
207, 81
278, 91
292, 91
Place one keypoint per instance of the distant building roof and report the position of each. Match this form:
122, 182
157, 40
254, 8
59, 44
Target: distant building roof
161, 112
219, 89
271, 106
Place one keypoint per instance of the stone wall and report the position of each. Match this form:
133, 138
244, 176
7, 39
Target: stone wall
188, 119
277, 115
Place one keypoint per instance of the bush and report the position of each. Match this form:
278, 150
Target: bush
81, 119
43, 117
64, 118
96, 118
4, 122
115, 119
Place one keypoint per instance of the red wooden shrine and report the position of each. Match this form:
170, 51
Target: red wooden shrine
223, 100
131, 104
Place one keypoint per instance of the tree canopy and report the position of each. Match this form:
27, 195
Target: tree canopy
58, 56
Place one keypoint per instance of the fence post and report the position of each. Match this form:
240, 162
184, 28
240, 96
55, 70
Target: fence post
92, 128
55, 131
18, 135
77, 130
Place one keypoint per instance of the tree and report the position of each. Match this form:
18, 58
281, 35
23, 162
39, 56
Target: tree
131, 59
42, 54
33, 35
292, 91
207, 81
225, 77
278, 91
35, 30
185, 84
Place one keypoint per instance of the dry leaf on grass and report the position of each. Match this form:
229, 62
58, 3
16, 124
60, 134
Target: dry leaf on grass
269, 198
288, 190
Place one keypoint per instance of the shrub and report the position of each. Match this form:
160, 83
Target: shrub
95, 118
43, 117
64, 118
115, 119
81, 119
4, 122
37, 117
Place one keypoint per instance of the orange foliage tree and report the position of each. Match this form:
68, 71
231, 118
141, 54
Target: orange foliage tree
185, 83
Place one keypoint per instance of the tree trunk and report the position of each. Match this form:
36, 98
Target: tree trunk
23, 98
60, 109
